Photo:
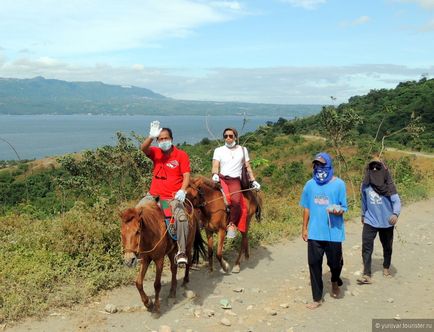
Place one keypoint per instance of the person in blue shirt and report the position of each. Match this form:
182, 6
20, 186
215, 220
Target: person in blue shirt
324, 202
381, 207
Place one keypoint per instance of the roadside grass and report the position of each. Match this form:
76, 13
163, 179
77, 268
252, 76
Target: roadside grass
71, 257
57, 262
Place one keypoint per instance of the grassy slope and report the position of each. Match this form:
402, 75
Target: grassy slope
69, 258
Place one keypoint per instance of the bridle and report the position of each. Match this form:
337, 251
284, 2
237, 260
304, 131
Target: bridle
203, 202
138, 252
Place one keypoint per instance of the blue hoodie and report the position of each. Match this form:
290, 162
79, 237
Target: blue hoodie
323, 174
316, 197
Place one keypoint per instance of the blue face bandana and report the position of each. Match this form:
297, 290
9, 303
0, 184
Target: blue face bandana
165, 145
323, 173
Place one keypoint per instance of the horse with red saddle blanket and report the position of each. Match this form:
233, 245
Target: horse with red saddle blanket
213, 205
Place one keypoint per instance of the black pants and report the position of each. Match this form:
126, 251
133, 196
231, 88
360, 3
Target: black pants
315, 254
368, 236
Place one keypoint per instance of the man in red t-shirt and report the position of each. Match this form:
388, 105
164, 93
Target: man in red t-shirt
170, 179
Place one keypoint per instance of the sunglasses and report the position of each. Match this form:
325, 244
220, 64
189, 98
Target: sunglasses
318, 164
228, 136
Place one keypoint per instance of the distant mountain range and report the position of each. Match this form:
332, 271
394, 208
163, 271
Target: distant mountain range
49, 96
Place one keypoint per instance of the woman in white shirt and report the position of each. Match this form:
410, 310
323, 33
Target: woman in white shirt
227, 163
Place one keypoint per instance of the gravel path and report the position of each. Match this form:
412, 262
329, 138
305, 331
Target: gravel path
272, 289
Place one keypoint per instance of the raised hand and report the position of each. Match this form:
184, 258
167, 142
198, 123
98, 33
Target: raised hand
155, 129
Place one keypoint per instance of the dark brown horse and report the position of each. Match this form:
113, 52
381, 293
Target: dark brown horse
207, 197
144, 237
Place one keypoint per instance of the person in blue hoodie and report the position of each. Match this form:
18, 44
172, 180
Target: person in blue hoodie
381, 207
324, 202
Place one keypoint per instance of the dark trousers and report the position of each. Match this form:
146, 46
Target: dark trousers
368, 236
335, 261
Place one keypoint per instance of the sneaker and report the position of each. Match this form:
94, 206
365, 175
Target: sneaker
181, 259
231, 231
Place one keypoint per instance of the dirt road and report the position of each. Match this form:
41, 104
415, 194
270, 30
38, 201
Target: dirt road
272, 290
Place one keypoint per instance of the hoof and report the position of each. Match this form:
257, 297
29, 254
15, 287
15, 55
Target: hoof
236, 269
171, 302
225, 266
150, 306
156, 314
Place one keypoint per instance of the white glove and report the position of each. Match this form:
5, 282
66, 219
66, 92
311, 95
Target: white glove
180, 195
256, 185
155, 129
215, 178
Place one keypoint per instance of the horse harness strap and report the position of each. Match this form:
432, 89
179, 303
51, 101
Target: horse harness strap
228, 207
140, 239
149, 251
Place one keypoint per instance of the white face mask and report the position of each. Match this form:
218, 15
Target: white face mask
230, 145
165, 145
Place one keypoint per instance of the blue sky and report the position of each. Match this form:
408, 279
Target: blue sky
271, 51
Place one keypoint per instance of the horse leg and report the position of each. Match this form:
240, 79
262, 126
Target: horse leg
246, 247
139, 283
209, 236
243, 249
157, 283
189, 257
219, 255
173, 270
187, 270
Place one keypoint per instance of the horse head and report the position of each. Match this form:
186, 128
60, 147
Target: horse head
194, 194
131, 223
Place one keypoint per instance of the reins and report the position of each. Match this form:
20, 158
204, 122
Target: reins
233, 192
140, 240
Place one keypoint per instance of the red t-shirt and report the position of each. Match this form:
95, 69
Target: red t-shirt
168, 171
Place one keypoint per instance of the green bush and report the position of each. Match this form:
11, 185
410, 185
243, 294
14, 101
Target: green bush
61, 261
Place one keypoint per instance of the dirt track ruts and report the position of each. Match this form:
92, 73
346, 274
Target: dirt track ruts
272, 289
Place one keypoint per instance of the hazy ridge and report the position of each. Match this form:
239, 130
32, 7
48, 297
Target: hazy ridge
49, 96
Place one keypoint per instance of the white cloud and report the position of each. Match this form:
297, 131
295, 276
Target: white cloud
84, 27
285, 85
306, 4
232, 5
361, 20
358, 21
428, 27
427, 4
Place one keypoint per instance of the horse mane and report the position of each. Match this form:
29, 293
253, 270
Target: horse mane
202, 180
150, 212
129, 214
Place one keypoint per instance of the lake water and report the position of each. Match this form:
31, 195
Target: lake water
38, 136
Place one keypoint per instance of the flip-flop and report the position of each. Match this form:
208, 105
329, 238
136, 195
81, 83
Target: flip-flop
364, 280
314, 305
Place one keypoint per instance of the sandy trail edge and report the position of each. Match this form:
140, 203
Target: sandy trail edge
275, 288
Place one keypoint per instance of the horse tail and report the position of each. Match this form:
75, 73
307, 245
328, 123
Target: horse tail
198, 244
258, 211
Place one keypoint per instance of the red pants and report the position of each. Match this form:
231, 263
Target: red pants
234, 187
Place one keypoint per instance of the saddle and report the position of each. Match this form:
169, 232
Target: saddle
169, 219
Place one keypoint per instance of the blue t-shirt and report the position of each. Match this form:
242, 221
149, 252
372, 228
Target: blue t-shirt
377, 209
324, 226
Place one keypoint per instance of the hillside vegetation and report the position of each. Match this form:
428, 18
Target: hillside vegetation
404, 116
48, 96
59, 225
